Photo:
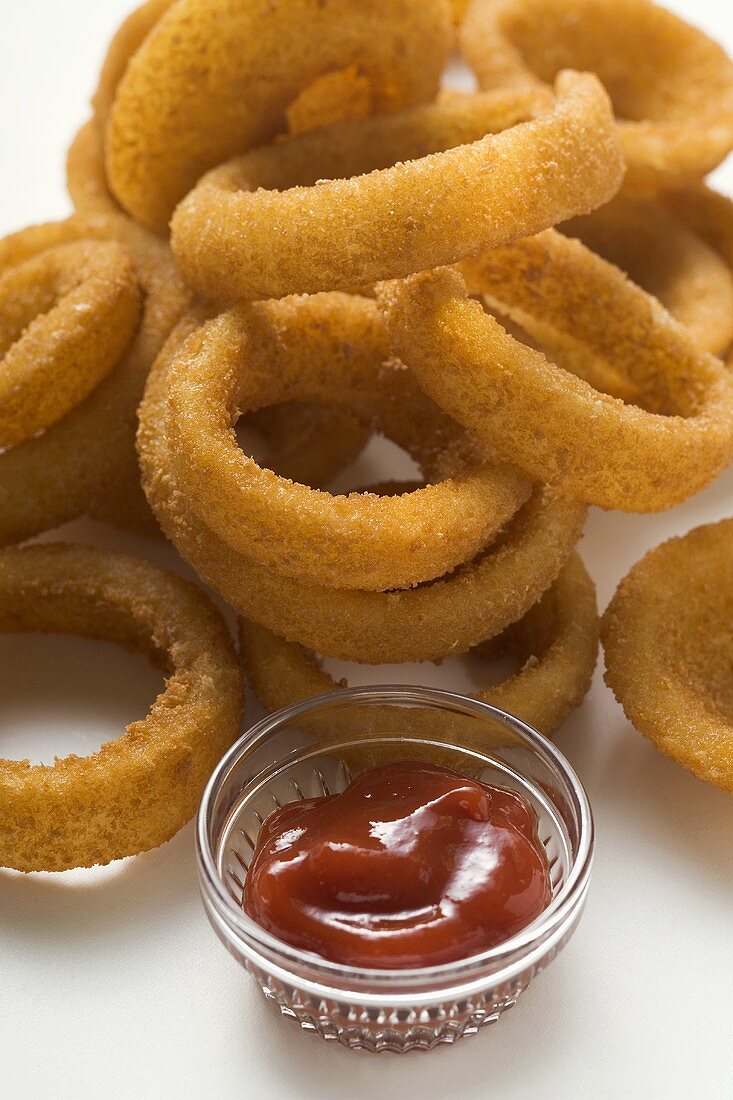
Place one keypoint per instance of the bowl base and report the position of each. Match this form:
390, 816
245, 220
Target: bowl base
392, 1031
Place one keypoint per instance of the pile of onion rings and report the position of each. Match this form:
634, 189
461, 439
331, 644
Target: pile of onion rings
447, 616
140, 789
668, 638
356, 251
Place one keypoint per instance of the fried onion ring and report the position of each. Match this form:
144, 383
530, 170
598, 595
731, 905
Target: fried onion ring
668, 640
213, 78
660, 252
551, 423
333, 349
432, 621
465, 187
66, 318
85, 464
671, 86
556, 644
138, 790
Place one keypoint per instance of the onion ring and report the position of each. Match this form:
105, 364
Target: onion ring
85, 464
445, 617
334, 98
140, 789
66, 318
671, 86
668, 643
305, 442
666, 256
179, 108
329, 348
86, 177
552, 424
556, 644
365, 223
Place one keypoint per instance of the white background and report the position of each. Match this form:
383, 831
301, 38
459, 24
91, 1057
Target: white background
112, 984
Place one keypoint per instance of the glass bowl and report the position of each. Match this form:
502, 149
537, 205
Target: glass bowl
316, 748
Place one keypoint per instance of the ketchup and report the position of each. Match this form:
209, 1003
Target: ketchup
412, 865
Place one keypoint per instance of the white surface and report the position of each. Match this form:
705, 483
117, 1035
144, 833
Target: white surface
111, 983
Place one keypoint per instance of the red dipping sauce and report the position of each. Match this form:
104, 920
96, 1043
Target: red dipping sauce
413, 865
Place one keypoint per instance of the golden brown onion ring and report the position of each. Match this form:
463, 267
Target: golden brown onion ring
465, 186
671, 86
85, 464
213, 78
429, 622
668, 639
66, 318
556, 644
138, 790
332, 349
665, 255
552, 424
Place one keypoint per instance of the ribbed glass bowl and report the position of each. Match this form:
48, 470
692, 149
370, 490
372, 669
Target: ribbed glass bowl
316, 748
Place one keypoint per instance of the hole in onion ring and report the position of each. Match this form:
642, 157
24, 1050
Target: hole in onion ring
64, 696
564, 351
468, 673
380, 461
305, 442
290, 445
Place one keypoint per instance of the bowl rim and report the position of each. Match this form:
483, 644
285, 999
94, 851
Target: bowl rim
271, 949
